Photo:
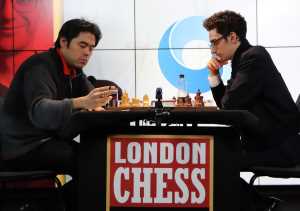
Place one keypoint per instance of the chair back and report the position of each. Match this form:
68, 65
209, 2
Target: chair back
298, 102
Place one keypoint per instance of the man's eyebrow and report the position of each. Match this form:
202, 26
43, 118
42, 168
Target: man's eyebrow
87, 44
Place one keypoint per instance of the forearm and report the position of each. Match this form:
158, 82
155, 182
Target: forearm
51, 114
217, 88
218, 93
79, 103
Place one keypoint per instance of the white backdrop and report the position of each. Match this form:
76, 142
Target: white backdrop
133, 29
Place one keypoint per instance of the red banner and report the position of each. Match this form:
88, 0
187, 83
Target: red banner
159, 171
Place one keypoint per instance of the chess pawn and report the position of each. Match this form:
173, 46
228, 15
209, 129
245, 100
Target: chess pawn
124, 100
146, 102
135, 102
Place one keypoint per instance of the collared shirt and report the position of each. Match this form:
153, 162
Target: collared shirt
214, 80
67, 70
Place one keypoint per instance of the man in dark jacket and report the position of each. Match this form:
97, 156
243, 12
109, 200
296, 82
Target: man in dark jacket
257, 86
47, 89
3, 90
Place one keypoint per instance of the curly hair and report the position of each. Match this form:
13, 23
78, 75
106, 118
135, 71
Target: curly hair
225, 22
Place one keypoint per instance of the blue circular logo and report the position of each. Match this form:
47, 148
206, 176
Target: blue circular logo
179, 50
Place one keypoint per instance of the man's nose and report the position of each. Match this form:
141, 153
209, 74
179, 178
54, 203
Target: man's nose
87, 51
213, 50
7, 9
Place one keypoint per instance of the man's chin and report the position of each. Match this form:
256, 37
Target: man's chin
79, 66
224, 61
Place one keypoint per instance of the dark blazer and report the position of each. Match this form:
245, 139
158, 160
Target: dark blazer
257, 86
38, 103
3, 90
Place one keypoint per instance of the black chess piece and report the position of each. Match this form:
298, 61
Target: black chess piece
158, 97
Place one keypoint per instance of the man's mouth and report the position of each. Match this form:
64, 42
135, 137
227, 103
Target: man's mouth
217, 57
83, 61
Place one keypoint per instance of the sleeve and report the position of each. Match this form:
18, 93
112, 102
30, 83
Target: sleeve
218, 93
87, 86
246, 85
81, 86
40, 91
217, 88
214, 80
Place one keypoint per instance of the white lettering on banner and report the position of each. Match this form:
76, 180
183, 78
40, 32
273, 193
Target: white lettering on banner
161, 185
199, 186
117, 184
150, 150
118, 158
166, 153
183, 153
136, 198
183, 187
160, 172
183, 150
134, 152
199, 151
163, 194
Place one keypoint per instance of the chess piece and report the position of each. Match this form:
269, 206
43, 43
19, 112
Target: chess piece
146, 101
113, 103
199, 99
158, 97
124, 100
180, 101
135, 102
188, 101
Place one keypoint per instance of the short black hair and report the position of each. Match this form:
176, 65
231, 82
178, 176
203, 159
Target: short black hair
73, 27
225, 22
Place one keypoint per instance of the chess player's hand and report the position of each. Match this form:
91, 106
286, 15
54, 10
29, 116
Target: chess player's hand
98, 97
98, 109
214, 64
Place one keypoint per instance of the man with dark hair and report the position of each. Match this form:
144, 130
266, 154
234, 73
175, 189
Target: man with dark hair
257, 86
3, 90
46, 90
74, 27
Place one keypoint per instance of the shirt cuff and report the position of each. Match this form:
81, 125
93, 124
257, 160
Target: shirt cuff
214, 80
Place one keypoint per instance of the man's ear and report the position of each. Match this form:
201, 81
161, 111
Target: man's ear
234, 37
63, 42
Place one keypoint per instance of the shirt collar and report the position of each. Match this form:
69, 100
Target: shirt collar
245, 45
67, 70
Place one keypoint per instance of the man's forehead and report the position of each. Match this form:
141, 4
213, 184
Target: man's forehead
87, 37
213, 34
